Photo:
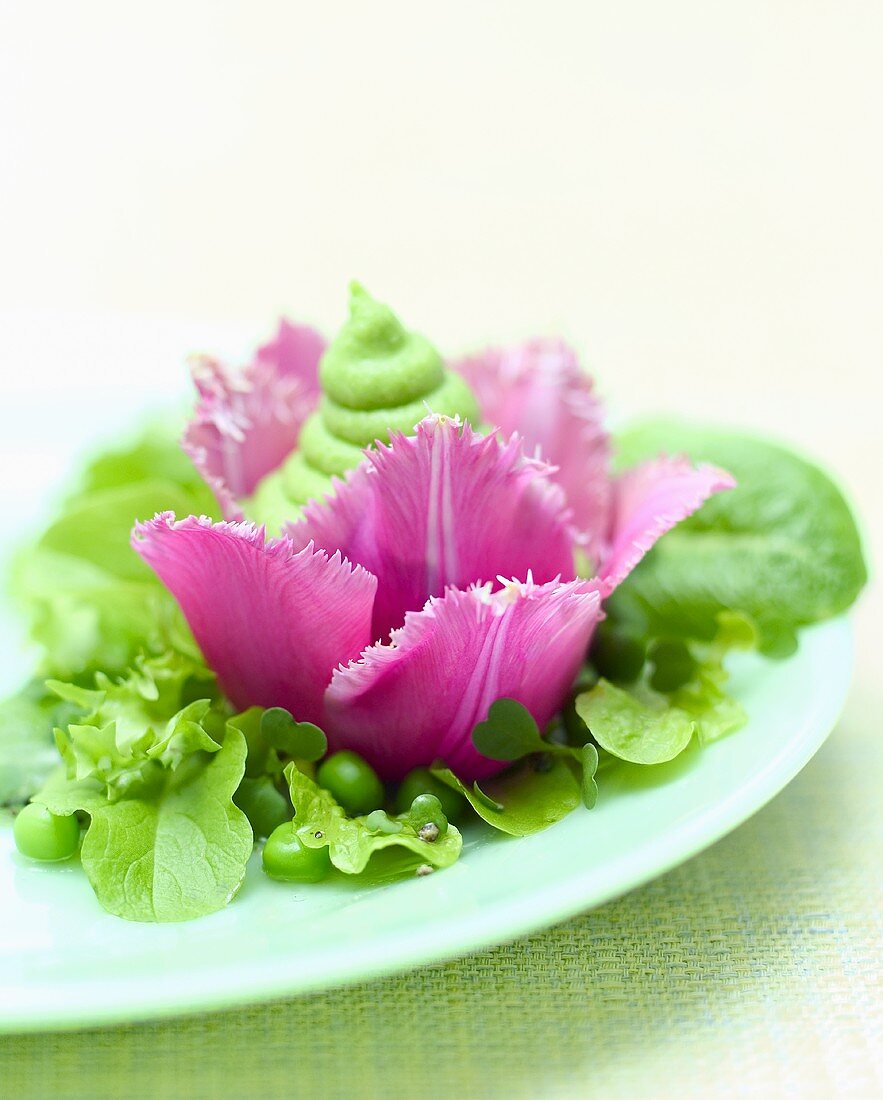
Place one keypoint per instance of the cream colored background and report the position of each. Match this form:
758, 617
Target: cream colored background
689, 191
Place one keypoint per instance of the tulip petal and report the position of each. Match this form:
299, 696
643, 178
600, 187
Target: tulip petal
539, 390
418, 698
649, 500
445, 507
272, 622
247, 421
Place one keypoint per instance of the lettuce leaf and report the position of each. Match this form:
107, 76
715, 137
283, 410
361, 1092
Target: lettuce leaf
27, 746
782, 548
526, 799
632, 728
633, 722
156, 773
350, 841
90, 600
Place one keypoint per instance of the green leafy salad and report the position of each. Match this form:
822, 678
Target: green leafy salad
458, 629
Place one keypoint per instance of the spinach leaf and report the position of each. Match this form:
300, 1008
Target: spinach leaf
782, 548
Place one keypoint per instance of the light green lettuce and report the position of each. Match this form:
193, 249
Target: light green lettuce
635, 723
27, 748
91, 603
155, 771
526, 799
351, 841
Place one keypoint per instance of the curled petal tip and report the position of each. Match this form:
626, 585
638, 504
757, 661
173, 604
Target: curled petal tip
649, 500
247, 421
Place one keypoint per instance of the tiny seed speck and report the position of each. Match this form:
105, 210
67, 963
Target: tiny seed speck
429, 832
318, 834
424, 869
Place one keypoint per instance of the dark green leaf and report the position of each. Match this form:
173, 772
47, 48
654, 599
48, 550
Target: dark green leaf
508, 733
300, 739
782, 548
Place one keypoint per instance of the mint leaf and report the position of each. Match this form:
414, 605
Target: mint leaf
782, 548
351, 842
508, 733
632, 729
533, 796
301, 739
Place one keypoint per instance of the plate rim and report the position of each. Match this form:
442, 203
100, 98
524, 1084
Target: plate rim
515, 916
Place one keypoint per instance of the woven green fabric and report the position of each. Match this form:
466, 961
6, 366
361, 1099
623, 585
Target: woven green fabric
753, 970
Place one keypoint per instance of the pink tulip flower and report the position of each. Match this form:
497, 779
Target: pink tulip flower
440, 575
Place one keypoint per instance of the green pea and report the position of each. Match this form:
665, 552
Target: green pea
426, 809
286, 857
673, 665
42, 835
618, 653
352, 781
263, 804
422, 781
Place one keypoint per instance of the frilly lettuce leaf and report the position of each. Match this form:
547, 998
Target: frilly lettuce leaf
782, 548
156, 772
351, 843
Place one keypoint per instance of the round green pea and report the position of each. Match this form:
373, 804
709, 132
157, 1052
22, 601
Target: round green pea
422, 781
42, 835
426, 809
263, 804
673, 664
286, 857
352, 781
618, 654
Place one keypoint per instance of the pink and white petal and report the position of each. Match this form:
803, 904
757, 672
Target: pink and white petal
272, 622
539, 390
294, 352
649, 500
444, 507
418, 698
247, 420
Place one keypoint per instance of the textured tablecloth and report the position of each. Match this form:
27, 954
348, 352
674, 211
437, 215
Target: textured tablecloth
752, 970
689, 191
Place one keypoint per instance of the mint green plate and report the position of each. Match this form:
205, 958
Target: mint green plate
66, 963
